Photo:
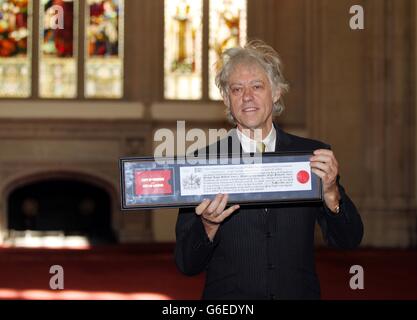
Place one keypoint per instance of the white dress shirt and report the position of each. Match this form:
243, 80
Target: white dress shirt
249, 145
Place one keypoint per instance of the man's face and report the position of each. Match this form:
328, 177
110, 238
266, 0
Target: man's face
250, 97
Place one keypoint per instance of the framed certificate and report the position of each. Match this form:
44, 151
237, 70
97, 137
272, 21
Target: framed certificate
148, 182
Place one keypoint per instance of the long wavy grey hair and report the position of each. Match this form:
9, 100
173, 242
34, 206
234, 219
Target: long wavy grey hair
254, 52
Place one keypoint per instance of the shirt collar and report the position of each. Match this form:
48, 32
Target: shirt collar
249, 145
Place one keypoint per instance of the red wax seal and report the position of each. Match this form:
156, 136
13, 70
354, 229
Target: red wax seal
303, 176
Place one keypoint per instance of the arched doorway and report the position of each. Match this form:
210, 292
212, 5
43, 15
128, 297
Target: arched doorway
62, 204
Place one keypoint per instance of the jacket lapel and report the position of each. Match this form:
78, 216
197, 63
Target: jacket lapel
283, 140
233, 143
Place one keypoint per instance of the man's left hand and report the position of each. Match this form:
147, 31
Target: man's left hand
324, 164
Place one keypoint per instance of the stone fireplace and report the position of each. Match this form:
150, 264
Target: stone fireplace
59, 164
65, 203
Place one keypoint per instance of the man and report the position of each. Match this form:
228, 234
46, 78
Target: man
263, 252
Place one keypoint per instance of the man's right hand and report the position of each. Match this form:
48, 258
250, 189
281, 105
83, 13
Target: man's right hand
213, 213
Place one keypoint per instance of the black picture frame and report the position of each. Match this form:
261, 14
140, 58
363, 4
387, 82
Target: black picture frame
168, 194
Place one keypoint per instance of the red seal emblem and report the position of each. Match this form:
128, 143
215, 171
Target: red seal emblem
303, 176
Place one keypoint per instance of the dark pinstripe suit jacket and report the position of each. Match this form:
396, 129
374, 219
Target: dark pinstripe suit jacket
265, 252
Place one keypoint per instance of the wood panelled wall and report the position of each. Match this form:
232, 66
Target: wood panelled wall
354, 89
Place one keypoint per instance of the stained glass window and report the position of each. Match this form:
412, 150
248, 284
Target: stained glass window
58, 49
183, 49
15, 48
227, 29
104, 49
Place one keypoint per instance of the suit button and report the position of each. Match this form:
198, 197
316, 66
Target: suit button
273, 296
269, 234
271, 266
196, 245
266, 210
